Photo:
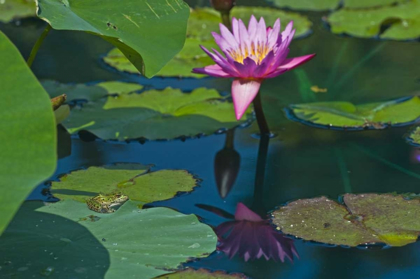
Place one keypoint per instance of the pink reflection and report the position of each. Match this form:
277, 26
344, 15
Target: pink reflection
252, 237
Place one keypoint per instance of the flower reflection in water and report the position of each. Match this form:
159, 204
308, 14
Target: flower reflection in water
251, 237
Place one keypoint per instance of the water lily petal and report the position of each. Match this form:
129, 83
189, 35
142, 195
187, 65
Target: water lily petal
291, 63
273, 36
246, 70
261, 69
221, 61
287, 30
230, 39
252, 26
243, 93
235, 29
212, 70
243, 213
261, 36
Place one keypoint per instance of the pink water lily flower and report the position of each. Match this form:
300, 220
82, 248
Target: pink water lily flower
251, 56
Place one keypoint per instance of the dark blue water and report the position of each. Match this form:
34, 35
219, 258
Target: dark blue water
302, 162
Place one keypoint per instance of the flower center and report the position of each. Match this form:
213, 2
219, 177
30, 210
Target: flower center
256, 52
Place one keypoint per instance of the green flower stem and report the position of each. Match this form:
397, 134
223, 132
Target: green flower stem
262, 122
258, 204
37, 45
226, 20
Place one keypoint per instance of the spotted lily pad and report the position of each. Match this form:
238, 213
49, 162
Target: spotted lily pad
65, 240
414, 137
402, 21
364, 219
201, 274
345, 115
16, 9
149, 33
78, 92
133, 180
153, 114
200, 25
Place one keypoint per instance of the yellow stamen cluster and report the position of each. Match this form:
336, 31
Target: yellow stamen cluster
255, 52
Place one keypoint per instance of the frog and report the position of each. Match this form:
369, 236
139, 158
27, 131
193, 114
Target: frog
106, 203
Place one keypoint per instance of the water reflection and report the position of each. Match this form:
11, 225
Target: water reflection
251, 237
247, 235
226, 166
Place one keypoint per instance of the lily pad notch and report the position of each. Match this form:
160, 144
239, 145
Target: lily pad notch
363, 219
349, 117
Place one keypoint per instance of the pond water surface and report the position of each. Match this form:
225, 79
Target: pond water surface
302, 161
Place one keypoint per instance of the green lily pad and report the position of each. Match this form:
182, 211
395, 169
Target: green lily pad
345, 115
77, 92
200, 25
322, 5
28, 137
307, 5
201, 274
16, 9
365, 219
133, 180
403, 21
359, 4
64, 239
191, 56
414, 137
153, 114
203, 21
149, 33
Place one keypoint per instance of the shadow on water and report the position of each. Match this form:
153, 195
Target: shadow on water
39, 245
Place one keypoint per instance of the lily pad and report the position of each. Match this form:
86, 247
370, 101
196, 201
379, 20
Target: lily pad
414, 137
402, 21
153, 114
201, 274
345, 115
307, 5
322, 5
65, 239
16, 9
203, 21
359, 4
365, 219
28, 133
133, 180
191, 56
79, 92
200, 25
149, 33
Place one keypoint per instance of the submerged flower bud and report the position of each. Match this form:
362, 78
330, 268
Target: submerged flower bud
222, 5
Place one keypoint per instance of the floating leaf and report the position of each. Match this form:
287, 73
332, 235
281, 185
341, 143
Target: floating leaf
16, 9
321, 5
402, 21
65, 239
79, 92
367, 219
344, 115
153, 114
311, 5
201, 274
203, 21
28, 134
132, 180
149, 33
200, 25
357, 4
414, 137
